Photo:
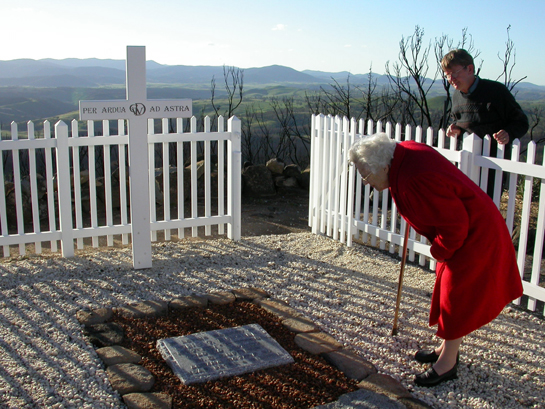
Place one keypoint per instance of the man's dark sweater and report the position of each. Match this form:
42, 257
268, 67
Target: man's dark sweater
488, 109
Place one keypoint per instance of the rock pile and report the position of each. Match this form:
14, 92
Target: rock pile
267, 180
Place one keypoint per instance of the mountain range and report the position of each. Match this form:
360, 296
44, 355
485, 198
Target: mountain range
33, 89
94, 72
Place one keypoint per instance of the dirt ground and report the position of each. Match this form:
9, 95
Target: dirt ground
287, 212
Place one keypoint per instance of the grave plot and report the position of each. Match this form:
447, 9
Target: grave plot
211, 355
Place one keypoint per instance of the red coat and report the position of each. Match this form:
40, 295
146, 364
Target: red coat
479, 276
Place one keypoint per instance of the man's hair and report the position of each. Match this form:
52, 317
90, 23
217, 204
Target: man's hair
373, 151
456, 57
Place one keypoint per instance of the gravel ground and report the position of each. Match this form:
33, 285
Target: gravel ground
45, 362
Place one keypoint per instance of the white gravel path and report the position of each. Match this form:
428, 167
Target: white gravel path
45, 362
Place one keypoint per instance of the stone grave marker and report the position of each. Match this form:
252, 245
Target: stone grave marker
211, 355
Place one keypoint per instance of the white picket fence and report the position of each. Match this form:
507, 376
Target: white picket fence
59, 199
343, 208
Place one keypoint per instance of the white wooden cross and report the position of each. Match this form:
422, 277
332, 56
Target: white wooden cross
137, 109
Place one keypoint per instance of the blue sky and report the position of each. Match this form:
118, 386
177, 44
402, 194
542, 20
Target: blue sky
345, 35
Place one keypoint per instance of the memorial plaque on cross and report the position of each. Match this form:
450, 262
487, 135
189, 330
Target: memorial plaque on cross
137, 109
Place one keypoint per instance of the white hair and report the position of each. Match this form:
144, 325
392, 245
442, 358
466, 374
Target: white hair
373, 151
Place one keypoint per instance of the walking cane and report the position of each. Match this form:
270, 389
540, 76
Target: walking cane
400, 283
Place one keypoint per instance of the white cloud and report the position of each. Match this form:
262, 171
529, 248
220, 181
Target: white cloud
279, 27
348, 46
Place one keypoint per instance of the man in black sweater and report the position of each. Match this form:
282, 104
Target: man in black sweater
482, 106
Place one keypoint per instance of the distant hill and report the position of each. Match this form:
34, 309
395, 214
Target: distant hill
277, 74
35, 89
340, 77
95, 62
183, 74
95, 73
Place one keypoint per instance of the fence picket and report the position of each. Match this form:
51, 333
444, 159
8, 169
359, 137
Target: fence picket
429, 136
17, 186
92, 181
331, 174
355, 212
512, 189
538, 244
418, 134
324, 175
207, 177
484, 170
50, 190
402, 229
151, 180
383, 218
63, 187
180, 176
107, 181
166, 178
77, 182
349, 206
32, 175
221, 175
498, 179
194, 202
441, 139
316, 181
123, 209
334, 213
453, 143
343, 158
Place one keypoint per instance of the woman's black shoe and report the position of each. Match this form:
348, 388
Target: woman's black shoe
431, 378
426, 356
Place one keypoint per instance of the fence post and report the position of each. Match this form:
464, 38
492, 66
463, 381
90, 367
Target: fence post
234, 176
64, 189
313, 142
471, 147
316, 174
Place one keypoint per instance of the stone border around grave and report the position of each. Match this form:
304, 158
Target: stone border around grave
133, 382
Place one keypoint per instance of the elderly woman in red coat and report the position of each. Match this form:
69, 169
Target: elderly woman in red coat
477, 274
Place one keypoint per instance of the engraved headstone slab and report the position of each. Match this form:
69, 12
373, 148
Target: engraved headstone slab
210, 355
